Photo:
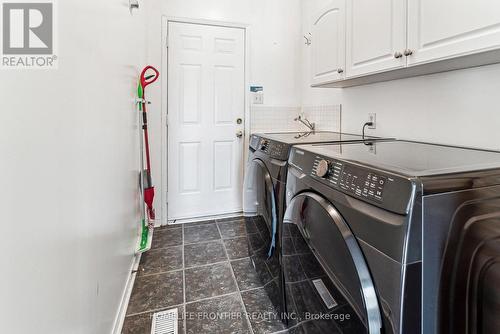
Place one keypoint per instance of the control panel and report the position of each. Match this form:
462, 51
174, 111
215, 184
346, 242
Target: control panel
385, 190
274, 149
352, 180
254, 142
363, 183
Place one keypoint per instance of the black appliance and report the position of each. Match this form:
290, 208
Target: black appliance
379, 231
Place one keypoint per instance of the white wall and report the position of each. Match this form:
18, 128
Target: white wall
274, 57
458, 108
69, 165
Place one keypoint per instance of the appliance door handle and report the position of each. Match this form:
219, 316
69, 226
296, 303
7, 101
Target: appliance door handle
368, 290
267, 177
296, 172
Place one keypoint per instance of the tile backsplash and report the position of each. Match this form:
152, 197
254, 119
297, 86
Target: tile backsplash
280, 118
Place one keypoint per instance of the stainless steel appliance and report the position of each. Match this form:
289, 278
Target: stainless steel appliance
369, 231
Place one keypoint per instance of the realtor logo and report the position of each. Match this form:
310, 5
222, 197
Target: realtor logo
28, 34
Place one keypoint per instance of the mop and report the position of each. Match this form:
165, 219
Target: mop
146, 184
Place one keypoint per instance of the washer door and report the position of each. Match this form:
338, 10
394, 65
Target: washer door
321, 249
259, 195
260, 245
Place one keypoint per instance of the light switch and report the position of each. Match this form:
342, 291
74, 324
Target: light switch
257, 94
258, 98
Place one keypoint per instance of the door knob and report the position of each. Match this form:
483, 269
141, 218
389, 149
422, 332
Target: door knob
340, 71
239, 134
408, 52
398, 55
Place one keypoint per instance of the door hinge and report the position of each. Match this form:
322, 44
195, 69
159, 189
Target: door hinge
166, 43
166, 120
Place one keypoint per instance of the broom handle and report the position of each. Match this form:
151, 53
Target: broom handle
146, 139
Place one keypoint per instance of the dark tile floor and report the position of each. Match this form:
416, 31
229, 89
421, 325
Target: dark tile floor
204, 270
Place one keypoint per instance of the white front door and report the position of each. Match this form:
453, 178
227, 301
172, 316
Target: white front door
206, 107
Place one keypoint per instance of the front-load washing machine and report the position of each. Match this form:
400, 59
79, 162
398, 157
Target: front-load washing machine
368, 230
264, 196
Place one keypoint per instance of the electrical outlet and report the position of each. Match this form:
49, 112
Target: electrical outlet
372, 117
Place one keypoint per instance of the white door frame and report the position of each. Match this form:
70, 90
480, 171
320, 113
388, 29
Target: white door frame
164, 98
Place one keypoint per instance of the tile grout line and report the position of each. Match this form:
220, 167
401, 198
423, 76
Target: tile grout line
201, 242
215, 240
162, 272
205, 265
260, 287
236, 282
211, 298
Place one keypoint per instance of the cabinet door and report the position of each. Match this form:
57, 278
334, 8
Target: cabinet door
376, 36
328, 44
450, 28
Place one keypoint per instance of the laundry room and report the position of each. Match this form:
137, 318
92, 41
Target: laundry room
260, 167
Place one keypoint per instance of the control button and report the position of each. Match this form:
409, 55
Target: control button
323, 168
381, 182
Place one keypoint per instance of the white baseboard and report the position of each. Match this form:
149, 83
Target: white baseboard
127, 291
203, 218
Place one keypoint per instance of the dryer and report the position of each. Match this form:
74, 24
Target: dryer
368, 229
264, 195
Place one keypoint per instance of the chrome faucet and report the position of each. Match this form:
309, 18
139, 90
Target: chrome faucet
305, 121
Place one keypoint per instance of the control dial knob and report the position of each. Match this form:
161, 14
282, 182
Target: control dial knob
264, 145
323, 168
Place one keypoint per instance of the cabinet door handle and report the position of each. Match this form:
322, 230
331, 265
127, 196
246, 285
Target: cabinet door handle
408, 52
340, 71
398, 55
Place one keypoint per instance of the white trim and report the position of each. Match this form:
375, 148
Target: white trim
164, 118
122, 310
164, 98
205, 218
216, 23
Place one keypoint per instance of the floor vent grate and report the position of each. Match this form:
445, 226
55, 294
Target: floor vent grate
324, 293
165, 322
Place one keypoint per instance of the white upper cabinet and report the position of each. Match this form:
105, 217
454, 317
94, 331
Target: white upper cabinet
445, 29
376, 36
328, 44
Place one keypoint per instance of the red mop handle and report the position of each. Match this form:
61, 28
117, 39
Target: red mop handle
147, 80
146, 141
